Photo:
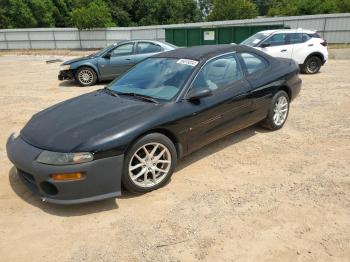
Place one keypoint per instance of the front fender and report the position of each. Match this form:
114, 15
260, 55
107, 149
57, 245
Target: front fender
93, 64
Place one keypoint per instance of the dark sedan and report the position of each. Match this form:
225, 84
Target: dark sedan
110, 62
133, 132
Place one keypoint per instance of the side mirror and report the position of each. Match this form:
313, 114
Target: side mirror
196, 96
107, 56
265, 45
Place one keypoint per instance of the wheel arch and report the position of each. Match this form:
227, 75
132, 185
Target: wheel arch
178, 145
286, 89
318, 54
90, 66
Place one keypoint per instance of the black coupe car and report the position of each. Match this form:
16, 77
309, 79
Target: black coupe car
133, 132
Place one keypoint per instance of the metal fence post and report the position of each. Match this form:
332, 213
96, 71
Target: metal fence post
30, 41
81, 47
7, 43
106, 37
54, 38
324, 27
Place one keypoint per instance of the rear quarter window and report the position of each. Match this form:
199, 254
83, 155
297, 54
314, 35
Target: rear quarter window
315, 35
253, 63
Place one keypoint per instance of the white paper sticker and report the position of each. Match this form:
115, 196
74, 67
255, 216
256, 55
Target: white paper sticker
187, 62
209, 35
256, 41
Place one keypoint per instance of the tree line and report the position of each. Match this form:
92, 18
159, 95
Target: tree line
107, 13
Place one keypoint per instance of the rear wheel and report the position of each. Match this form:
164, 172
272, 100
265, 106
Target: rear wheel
86, 76
278, 111
312, 65
149, 163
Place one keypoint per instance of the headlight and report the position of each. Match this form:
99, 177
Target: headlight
64, 67
54, 158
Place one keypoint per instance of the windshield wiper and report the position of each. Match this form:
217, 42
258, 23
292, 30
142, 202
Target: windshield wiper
109, 91
141, 97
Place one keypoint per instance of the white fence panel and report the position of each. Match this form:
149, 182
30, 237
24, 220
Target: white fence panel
115, 35
335, 28
68, 45
41, 35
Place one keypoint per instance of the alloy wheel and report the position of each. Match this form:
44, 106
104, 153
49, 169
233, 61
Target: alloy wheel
85, 76
150, 165
280, 111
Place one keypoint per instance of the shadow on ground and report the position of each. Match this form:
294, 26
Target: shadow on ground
109, 204
59, 210
219, 145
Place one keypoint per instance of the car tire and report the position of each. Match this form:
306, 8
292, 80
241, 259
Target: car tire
311, 65
86, 76
278, 111
141, 171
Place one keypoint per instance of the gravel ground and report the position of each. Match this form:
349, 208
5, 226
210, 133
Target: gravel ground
252, 196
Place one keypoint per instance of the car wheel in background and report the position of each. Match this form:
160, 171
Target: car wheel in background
149, 163
312, 65
278, 111
86, 76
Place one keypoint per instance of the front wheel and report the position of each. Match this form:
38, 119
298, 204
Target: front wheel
86, 76
312, 65
278, 111
149, 163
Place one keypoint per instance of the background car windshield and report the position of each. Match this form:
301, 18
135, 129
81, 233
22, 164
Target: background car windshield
160, 78
254, 40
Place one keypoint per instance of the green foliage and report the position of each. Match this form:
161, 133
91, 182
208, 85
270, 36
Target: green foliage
42, 10
104, 13
16, 14
309, 7
61, 12
264, 5
121, 12
95, 15
205, 6
152, 12
232, 9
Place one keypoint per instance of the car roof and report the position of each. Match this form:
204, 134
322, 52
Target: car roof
299, 30
203, 52
142, 40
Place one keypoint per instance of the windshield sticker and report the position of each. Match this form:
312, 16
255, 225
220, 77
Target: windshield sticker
187, 62
256, 41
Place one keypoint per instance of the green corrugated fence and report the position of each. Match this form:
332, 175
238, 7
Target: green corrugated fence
215, 35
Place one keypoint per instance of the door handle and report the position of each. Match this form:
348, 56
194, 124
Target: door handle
284, 50
128, 59
310, 44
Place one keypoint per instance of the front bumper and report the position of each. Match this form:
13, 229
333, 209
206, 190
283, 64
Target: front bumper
102, 177
66, 75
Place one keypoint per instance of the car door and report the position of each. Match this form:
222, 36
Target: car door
146, 49
117, 61
303, 46
277, 46
225, 110
259, 71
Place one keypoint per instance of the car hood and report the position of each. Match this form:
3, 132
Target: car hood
72, 123
77, 59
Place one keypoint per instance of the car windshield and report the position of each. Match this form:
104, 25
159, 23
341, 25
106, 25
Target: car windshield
254, 40
159, 78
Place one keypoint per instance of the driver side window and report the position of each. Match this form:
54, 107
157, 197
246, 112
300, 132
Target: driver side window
218, 74
276, 40
122, 50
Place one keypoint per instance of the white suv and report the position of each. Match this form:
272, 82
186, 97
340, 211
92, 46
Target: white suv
306, 47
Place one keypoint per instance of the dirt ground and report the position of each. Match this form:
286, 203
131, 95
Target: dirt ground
252, 196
